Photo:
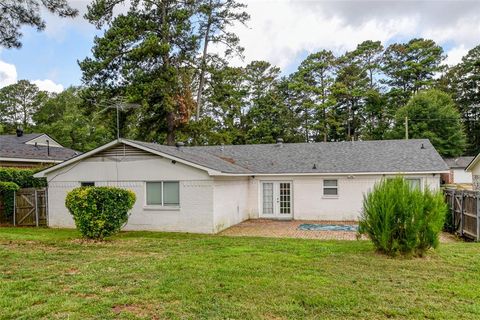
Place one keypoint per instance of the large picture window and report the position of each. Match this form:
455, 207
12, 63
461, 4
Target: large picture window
163, 193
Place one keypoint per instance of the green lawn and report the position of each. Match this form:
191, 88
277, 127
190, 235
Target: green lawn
50, 274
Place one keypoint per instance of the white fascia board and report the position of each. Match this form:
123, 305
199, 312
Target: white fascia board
473, 163
328, 174
42, 173
31, 160
211, 172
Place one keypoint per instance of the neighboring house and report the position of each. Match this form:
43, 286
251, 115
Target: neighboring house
474, 168
457, 172
207, 189
31, 150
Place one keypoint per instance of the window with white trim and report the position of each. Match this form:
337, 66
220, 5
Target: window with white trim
330, 187
163, 193
415, 183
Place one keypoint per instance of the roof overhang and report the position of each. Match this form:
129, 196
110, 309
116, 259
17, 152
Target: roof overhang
472, 163
30, 160
328, 174
78, 158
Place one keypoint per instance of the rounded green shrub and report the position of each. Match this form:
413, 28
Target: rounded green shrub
99, 212
401, 219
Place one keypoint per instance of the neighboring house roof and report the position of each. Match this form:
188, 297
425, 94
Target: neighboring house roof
459, 162
387, 156
14, 148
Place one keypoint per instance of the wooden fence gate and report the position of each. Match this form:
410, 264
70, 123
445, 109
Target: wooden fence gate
464, 209
29, 208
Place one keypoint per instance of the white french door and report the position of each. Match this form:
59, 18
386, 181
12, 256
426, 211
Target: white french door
276, 200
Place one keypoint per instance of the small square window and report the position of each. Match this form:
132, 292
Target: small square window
87, 184
415, 183
330, 187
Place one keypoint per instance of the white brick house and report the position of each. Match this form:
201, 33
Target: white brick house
207, 189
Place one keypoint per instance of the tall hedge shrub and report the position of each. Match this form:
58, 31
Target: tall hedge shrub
99, 212
401, 219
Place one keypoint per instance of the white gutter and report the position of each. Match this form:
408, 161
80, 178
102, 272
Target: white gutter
325, 174
30, 160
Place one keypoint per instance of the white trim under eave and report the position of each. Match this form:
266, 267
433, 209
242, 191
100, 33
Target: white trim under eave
82, 156
210, 171
324, 174
30, 160
472, 163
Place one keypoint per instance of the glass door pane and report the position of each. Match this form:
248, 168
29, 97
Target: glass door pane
285, 198
267, 198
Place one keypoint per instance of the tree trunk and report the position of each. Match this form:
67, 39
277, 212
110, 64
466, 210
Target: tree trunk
170, 128
203, 67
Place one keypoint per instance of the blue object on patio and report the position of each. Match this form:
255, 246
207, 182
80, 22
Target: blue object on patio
327, 227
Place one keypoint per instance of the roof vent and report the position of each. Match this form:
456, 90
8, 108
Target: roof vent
279, 142
179, 144
19, 132
422, 147
314, 166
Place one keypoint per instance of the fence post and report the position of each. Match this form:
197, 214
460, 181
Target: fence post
47, 216
462, 218
477, 194
36, 207
14, 208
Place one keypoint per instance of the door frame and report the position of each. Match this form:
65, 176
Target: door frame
276, 193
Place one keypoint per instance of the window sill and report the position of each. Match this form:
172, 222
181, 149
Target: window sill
329, 197
160, 208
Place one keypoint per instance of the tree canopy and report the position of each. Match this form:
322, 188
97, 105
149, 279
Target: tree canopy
432, 115
14, 14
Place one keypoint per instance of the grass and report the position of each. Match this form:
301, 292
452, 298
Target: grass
50, 274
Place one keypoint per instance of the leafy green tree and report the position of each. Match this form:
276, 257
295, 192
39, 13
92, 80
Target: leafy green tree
62, 118
18, 103
313, 84
463, 82
215, 18
432, 115
350, 92
268, 116
368, 55
224, 104
14, 14
410, 67
375, 120
146, 56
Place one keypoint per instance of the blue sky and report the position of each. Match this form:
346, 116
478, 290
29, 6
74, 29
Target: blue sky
282, 32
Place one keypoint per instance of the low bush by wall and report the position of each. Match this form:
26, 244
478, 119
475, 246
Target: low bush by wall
99, 212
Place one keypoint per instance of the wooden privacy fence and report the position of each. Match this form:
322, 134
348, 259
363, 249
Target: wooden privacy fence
464, 209
29, 208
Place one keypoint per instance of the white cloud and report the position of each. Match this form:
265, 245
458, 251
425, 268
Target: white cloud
283, 32
48, 85
455, 55
8, 74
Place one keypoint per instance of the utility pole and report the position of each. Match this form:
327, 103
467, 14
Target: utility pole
406, 127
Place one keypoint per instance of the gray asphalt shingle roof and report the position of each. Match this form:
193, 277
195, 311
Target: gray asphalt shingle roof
459, 162
390, 156
15, 147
